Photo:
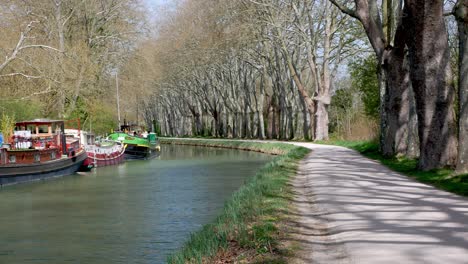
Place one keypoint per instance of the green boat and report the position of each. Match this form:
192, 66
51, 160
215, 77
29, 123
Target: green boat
138, 147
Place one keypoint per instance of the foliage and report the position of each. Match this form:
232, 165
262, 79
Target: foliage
364, 78
250, 218
100, 119
343, 99
340, 110
59, 52
7, 124
347, 118
22, 110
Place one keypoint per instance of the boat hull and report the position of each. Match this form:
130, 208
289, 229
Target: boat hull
102, 160
140, 153
13, 174
137, 148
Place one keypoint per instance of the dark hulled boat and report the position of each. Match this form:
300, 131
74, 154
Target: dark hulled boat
138, 147
39, 150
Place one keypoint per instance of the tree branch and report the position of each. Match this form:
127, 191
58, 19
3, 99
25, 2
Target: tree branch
20, 46
48, 90
21, 74
39, 46
344, 9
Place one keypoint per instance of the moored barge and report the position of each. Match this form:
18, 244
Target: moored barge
38, 150
139, 145
100, 152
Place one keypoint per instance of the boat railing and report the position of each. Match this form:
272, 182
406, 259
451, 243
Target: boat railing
29, 142
103, 150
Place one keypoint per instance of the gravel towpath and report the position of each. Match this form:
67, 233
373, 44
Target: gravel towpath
354, 210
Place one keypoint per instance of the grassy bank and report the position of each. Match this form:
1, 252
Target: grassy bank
249, 226
443, 178
268, 148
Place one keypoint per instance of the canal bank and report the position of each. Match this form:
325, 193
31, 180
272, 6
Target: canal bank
252, 223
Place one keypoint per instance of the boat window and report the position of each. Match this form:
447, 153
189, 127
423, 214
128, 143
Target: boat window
37, 157
52, 155
31, 128
43, 129
12, 158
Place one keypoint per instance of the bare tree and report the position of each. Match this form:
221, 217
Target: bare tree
461, 14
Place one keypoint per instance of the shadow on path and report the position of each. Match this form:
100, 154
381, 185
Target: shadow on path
354, 210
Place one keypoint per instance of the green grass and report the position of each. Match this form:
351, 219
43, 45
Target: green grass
442, 178
270, 148
251, 217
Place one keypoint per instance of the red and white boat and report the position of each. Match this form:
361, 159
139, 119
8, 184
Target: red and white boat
39, 150
100, 153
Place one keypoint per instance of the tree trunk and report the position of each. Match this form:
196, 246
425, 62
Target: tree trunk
396, 97
288, 124
240, 127
229, 124
269, 124
248, 125
396, 105
274, 123
430, 72
299, 85
198, 124
413, 139
260, 103
321, 120
234, 125
323, 97
306, 122
61, 94
461, 13
392, 113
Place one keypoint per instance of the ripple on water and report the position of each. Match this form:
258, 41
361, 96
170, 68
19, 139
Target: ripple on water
139, 211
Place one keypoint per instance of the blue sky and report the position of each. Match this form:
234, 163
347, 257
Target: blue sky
157, 8
154, 4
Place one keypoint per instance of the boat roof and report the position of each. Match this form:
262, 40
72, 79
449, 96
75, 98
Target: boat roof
39, 121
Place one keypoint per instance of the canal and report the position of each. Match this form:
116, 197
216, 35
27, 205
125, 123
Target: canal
138, 212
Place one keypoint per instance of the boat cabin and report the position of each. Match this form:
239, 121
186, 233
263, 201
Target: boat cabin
38, 140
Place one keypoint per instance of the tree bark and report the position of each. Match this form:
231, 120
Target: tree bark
461, 14
61, 95
393, 96
430, 75
306, 120
321, 120
396, 96
298, 82
413, 138
323, 98
260, 104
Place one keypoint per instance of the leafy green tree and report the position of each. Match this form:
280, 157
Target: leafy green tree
22, 110
364, 78
342, 102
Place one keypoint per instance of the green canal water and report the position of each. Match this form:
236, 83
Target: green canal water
137, 212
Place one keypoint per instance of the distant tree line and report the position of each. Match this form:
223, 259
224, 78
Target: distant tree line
269, 69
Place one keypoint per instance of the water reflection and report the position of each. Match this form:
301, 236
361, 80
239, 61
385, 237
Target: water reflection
137, 212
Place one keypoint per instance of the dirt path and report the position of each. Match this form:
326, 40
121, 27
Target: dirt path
354, 210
